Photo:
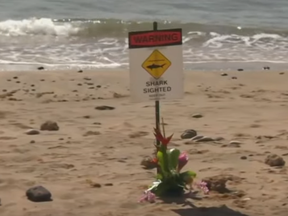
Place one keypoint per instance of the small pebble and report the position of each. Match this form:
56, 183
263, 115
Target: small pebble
104, 107
188, 134
32, 141
197, 115
243, 157
235, 142
40, 68
32, 132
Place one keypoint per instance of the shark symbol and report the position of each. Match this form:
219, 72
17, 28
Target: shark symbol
154, 66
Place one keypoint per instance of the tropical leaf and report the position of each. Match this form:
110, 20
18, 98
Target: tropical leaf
173, 155
188, 176
161, 163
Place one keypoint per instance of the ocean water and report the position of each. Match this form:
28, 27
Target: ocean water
92, 34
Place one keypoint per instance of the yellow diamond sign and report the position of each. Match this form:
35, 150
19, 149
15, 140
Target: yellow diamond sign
156, 64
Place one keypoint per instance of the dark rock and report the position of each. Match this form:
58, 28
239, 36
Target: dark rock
15, 77
197, 115
266, 68
96, 185
32, 141
148, 163
49, 126
104, 108
38, 194
41, 68
108, 184
80, 71
243, 157
240, 69
224, 74
234, 77
91, 133
97, 123
188, 134
274, 160
98, 86
281, 73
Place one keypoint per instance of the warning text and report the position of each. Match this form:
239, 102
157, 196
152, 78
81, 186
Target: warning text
155, 38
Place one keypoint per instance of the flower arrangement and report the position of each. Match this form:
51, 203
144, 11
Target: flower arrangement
170, 181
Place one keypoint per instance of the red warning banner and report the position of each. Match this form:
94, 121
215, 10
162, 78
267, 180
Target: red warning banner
167, 37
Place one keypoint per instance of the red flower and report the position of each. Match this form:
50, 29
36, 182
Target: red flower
155, 160
160, 137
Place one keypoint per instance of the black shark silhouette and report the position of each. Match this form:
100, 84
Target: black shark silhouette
155, 66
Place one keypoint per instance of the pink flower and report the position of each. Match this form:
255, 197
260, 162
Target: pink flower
202, 186
182, 160
148, 196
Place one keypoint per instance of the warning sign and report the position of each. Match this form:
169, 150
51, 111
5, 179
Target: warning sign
156, 64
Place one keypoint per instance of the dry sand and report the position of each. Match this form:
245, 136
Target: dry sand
98, 146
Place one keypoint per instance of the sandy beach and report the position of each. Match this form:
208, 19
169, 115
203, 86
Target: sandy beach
91, 165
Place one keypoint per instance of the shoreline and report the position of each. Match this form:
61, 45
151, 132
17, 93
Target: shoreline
205, 66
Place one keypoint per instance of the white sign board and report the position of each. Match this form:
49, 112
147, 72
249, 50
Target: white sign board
156, 65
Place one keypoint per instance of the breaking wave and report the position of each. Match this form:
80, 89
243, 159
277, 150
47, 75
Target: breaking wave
103, 42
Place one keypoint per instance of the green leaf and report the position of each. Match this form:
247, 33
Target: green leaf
173, 157
188, 176
159, 176
161, 163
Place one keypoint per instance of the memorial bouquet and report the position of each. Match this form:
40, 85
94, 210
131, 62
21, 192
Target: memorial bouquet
170, 181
